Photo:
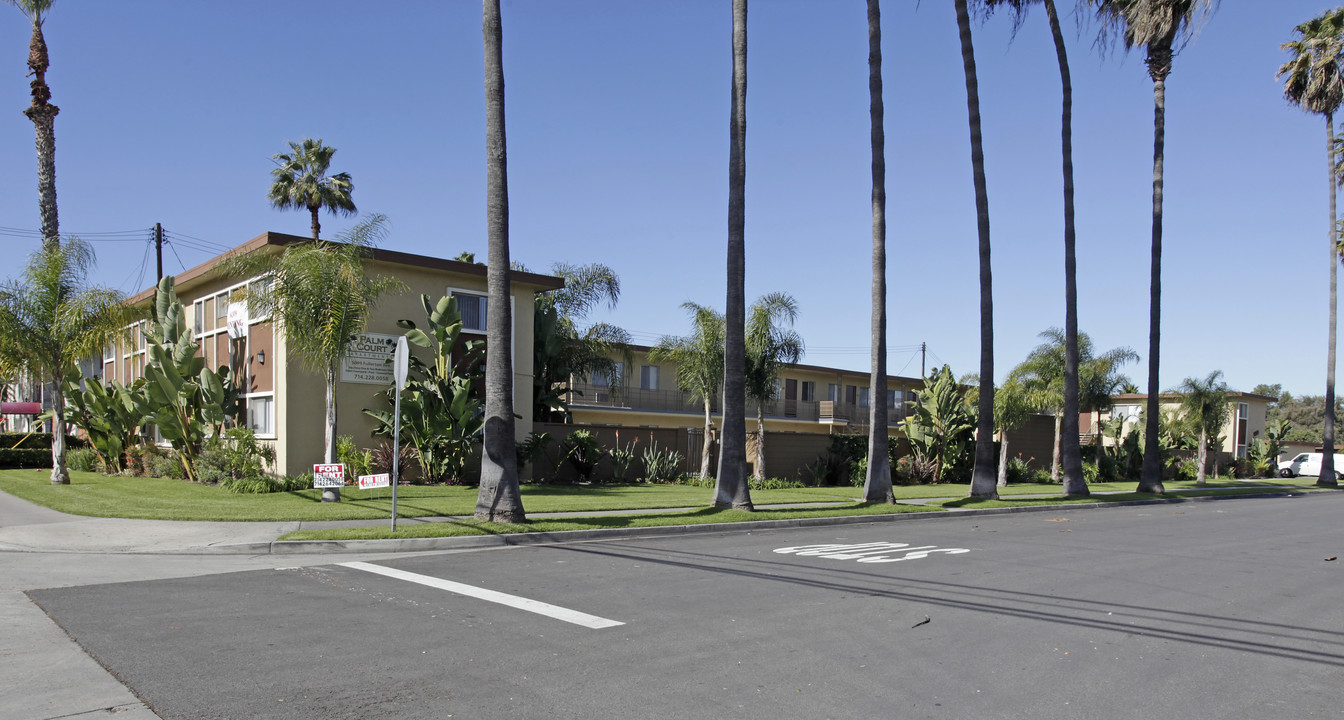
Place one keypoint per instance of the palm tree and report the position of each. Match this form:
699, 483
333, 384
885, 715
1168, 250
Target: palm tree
877, 482
1012, 405
1042, 376
1071, 452
699, 361
1313, 82
49, 321
730, 487
43, 115
1161, 27
770, 345
499, 499
1205, 403
321, 296
983, 483
562, 349
301, 181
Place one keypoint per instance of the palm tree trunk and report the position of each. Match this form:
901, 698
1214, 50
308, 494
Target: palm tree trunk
498, 499
317, 226
1054, 450
877, 483
1327, 476
982, 476
1003, 459
1072, 455
60, 475
730, 487
760, 441
706, 446
1203, 456
43, 116
1151, 479
329, 433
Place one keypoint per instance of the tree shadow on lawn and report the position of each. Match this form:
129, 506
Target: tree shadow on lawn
1224, 632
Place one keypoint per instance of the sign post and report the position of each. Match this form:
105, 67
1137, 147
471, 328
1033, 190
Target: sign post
399, 364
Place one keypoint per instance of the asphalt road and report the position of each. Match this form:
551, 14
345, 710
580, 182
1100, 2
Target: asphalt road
1224, 609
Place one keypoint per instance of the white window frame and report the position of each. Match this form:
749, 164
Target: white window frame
247, 421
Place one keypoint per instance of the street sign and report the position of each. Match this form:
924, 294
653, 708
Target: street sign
368, 482
328, 475
399, 362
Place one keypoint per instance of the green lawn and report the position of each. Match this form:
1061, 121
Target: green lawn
97, 495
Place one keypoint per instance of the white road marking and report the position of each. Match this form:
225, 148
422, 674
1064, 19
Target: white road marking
513, 601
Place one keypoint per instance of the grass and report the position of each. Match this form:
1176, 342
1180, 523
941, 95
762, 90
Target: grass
456, 528
96, 495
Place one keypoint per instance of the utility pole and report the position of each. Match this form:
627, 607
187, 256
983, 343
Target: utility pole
158, 247
923, 351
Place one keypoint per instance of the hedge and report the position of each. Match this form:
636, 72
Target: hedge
36, 441
25, 458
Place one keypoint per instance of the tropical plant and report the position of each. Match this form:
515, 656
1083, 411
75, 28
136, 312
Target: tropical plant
1161, 28
771, 343
320, 296
300, 181
235, 456
533, 448
877, 480
441, 416
1276, 433
1042, 375
940, 424
562, 349
49, 319
983, 481
498, 499
1013, 404
1313, 82
110, 415
730, 487
699, 361
1260, 458
1204, 402
662, 466
621, 456
43, 116
1071, 455
357, 461
583, 453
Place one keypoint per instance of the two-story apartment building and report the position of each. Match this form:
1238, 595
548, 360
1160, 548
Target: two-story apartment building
1245, 424
285, 403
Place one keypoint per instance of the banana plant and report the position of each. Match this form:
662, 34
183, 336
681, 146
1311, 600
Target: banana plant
441, 416
110, 415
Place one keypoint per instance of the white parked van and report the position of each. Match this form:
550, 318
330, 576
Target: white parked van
1309, 464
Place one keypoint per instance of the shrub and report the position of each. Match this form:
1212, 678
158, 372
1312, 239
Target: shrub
1186, 470
533, 448
236, 456
583, 453
1018, 471
357, 461
380, 460
1090, 472
166, 465
621, 458
250, 485
773, 484
662, 466
818, 472
694, 481
302, 481
83, 460
36, 441
858, 471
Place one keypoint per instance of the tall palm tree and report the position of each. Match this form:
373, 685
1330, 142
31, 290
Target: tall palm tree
877, 482
49, 320
499, 499
1312, 81
1071, 452
1205, 403
301, 182
562, 349
730, 487
321, 296
771, 343
699, 361
983, 483
1161, 27
43, 115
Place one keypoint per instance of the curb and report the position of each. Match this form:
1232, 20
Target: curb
476, 542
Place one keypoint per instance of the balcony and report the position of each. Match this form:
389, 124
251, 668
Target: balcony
824, 411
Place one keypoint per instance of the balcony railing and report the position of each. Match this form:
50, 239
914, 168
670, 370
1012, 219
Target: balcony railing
587, 395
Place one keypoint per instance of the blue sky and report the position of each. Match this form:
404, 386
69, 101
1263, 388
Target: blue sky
617, 119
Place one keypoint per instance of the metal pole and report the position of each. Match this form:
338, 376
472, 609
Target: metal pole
158, 247
396, 455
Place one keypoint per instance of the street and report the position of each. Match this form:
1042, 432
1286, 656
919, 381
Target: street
1226, 609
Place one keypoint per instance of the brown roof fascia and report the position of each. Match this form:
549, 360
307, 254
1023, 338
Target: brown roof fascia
1177, 396
542, 283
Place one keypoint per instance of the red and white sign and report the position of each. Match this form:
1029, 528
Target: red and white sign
328, 475
381, 480
237, 320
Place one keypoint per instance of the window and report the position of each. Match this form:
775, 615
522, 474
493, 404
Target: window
809, 391
600, 378
110, 352
1129, 413
221, 307
473, 309
833, 392
260, 414
199, 313
893, 399
140, 331
648, 377
863, 396
259, 288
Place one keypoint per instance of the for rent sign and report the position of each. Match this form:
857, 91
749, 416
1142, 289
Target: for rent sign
328, 475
